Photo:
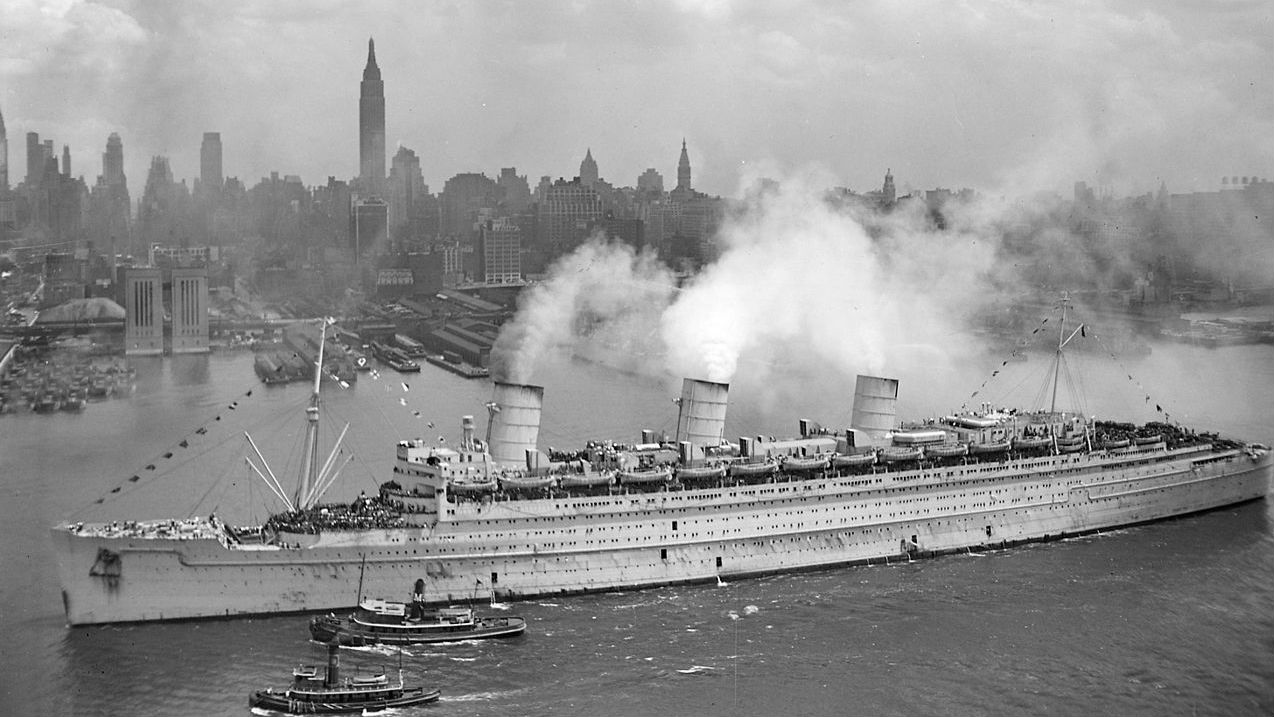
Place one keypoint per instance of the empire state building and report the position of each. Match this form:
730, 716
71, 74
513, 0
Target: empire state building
371, 125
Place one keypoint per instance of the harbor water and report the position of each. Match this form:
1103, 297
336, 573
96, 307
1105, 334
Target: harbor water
1170, 618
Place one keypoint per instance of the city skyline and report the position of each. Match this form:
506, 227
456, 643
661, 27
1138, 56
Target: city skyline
1123, 99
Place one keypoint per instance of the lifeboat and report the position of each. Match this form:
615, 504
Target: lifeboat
1116, 443
1069, 447
854, 460
752, 472
700, 474
798, 464
525, 482
946, 450
472, 487
1148, 440
896, 454
989, 447
911, 438
584, 480
1031, 443
645, 476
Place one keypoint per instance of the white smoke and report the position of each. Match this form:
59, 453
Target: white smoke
604, 294
801, 287
800, 280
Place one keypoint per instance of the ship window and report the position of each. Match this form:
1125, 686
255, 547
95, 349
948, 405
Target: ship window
495, 578
663, 553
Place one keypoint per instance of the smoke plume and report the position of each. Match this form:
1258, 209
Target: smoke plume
604, 294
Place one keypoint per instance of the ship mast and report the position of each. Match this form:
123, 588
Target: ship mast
310, 466
1062, 340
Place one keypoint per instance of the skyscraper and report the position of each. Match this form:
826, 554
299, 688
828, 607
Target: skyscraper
35, 159
588, 170
113, 162
683, 169
4, 157
210, 175
371, 125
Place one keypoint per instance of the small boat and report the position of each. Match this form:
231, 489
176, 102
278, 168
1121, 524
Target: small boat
471, 487
1148, 440
700, 474
645, 476
946, 450
75, 400
335, 693
513, 482
1031, 443
46, 403
800, 464
896, 454
752, 471
854, 460
386, 622
1112, 443
989, 447
585, 480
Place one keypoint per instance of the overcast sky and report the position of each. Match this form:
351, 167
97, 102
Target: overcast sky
1004, 97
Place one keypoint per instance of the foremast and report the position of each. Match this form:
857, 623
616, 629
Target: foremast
314, 479
1059, 358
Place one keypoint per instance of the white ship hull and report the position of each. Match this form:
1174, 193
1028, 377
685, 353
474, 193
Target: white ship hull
525, 548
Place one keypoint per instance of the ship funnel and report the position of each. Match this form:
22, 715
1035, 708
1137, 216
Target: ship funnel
701, 419
875, 406
514, 424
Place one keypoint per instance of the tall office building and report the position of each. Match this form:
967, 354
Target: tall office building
113, 162
406, 191
650, 182
35, 159
210, 175
567, 214
683, 169
4, 157
501, 251
66, 160
588, 170
111, 206
371, 125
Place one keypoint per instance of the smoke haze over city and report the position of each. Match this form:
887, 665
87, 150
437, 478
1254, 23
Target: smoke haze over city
1004, 98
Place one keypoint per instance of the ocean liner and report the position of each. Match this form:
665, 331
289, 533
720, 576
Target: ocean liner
498, 517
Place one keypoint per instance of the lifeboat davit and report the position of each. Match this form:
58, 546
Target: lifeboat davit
897, 454
854, 460
700, 474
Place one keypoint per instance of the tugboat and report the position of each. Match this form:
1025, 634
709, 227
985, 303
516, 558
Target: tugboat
337, 694
395, 623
